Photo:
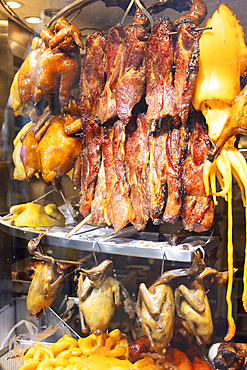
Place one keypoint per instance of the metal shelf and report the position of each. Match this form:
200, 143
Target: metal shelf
127, 242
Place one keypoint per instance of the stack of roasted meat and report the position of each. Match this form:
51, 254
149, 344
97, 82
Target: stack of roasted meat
143, 147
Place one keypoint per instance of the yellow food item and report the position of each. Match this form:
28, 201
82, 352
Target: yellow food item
69, 354
19, 171
222, 59
229, 156
35, 215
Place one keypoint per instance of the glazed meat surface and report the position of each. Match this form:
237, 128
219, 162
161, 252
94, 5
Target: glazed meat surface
186, 62
160, 96
136, 165
92, 78
131, 85
198, 209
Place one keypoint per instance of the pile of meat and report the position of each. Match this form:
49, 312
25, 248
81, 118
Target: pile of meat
144, 148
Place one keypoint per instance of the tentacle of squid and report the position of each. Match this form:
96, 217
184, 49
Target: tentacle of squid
212, 176
231, 324
239, 164
206, 171
224, 166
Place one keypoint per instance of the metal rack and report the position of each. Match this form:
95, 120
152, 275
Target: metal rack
127, 242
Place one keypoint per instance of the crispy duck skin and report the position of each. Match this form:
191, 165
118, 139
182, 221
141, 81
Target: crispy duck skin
174, 148
115, 53
67, 150
186, 61
91, 164
198, 209
119, 209
92, 77
160, 96
157, 172
131, 85
28, 154
136, 163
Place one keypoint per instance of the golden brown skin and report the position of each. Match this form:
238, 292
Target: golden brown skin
46, 285
157, 315
195, 312
98, 294
66, 149
52, 67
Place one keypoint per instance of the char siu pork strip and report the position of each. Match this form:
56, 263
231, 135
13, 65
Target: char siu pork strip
198, 209
186, 61
160, 96
115, 54
175, 148
131, 85
90, 164
136, 164
157, 172
98, 205
92, 78
118, 205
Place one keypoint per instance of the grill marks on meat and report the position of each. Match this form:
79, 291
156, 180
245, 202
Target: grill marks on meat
119, 209
198, 209
90, 158
136, 166
160, 96
186, 62
131, 85
115, 55
92, 78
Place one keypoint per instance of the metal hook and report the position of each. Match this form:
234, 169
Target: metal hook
163, 262
127, 12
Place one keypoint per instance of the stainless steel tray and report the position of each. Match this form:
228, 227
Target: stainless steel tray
127, 242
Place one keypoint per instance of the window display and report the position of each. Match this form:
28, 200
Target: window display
123, 199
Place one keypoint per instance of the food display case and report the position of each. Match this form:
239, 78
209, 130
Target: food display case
123, 184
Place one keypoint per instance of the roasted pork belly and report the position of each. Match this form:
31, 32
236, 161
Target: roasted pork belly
119, 209
160, 96
198, 209
92, 78
91, 156
186, 62
136, 166
115, 53
131, 84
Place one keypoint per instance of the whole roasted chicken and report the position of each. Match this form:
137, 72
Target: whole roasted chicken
156, 307
193, 308
50, 70
98, 294
46, 283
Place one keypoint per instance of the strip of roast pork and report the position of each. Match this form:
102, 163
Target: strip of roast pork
131, 84
198, 209
157, 171
160, 96
90, 158
92, 78
175, 148
136, 166
114, 64
186, 62
118, 205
